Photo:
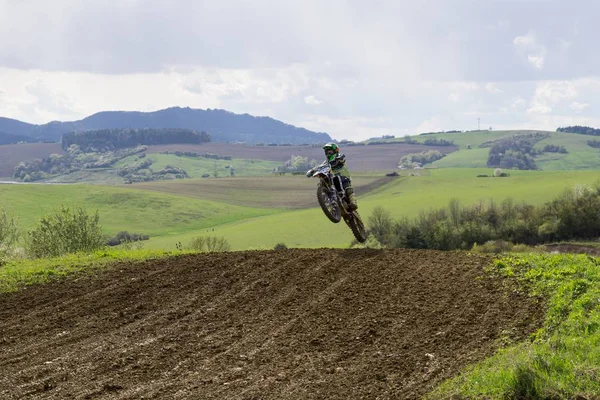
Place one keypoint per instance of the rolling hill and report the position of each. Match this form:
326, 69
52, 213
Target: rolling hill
222, 125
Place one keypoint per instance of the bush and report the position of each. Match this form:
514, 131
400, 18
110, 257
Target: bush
209, 243
493, 246
280, 246
418, 159
9, 233
126, 237
65, 231
380, 225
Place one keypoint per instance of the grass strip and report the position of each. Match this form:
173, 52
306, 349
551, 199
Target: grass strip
562, 359
18, 273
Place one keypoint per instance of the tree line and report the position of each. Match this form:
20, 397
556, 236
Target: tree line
573, 215
515, 152
582, 130
111, 139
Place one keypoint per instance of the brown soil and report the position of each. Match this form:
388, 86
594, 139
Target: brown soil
13, 154
291, 324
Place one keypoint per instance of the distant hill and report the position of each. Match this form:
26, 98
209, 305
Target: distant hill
222, 125
7, 138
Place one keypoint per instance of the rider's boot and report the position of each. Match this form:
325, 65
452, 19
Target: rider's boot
351, 199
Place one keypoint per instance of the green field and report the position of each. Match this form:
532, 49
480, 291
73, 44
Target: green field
152, 213
256, 210
198, 166
170, 218
579, 156
403, 197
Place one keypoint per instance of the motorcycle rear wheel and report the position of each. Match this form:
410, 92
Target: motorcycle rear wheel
357, 226
330, 208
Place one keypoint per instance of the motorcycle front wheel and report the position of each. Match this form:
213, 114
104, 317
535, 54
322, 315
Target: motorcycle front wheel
329, 207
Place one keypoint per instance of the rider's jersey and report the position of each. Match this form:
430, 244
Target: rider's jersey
338, 163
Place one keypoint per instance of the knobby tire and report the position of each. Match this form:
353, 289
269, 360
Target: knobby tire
331, 209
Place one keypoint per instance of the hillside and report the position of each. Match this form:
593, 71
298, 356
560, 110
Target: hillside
223, 126
473, 149
7, 138
292, 324
360, 158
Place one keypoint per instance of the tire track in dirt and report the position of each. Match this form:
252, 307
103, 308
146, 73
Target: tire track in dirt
290, 324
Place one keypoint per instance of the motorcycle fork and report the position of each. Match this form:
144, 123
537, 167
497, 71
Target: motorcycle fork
340, 192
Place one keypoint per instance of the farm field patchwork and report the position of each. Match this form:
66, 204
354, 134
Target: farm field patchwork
266, 219
403, 197
579, 156
287, 191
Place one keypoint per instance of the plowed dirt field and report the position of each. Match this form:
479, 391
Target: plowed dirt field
290, 324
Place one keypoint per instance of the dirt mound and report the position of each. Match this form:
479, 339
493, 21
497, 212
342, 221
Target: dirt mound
291, 324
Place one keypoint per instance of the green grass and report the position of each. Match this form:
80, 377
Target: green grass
170, 218
96, 176
563, 360
136, 211
18, 273
580, 156
406, 196
197, 166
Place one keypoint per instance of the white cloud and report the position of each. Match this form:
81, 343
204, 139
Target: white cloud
50, 101
518, 102
526, 41
530, 48
550, 94
579, 107
312, 100
433, 124
536, 61
492, 88
385, 67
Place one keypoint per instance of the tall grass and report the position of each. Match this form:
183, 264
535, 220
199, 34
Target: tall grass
562, 359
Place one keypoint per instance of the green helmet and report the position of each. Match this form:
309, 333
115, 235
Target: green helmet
331, 151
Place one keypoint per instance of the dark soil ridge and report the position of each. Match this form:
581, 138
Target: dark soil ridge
290, 324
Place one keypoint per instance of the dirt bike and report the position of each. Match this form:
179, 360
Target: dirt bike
334, 201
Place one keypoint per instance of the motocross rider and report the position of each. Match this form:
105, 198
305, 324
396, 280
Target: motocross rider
337, 162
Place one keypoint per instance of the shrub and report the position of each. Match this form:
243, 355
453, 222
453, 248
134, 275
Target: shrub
126, 237
418, 159
209, 243
280, 246
9, 233
493, 246
65, 231
380, 225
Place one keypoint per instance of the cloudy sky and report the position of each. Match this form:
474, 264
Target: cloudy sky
354, 69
